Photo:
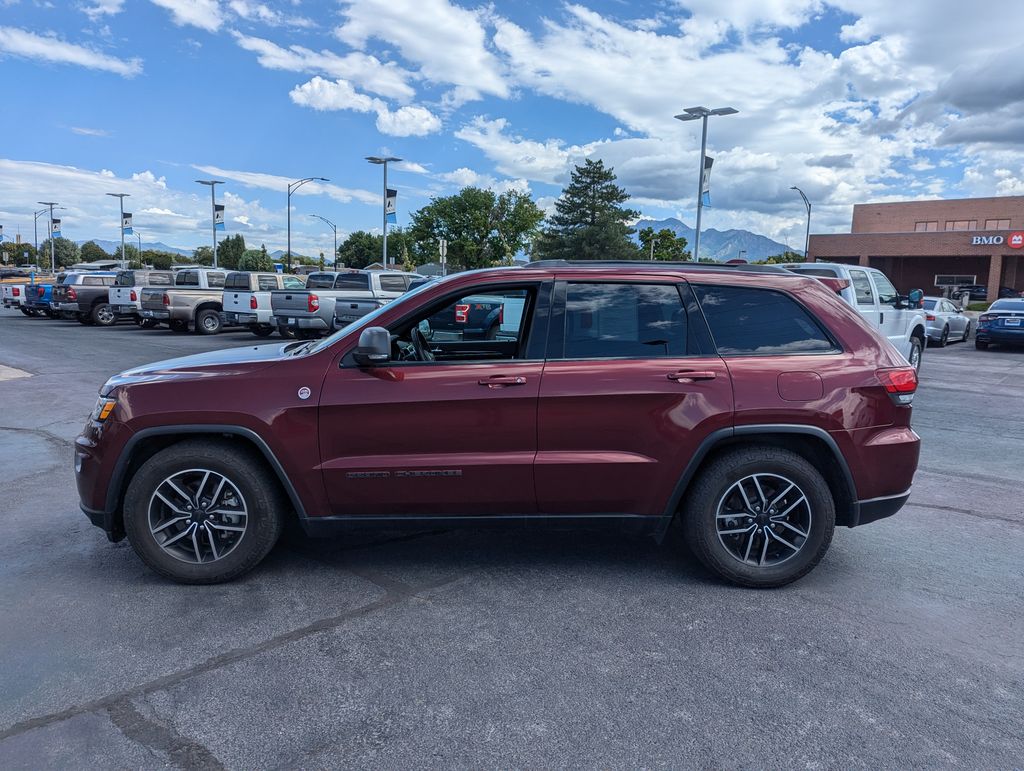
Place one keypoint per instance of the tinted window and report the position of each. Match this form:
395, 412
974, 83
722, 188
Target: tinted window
357, 281
862, 287
187, 278
638, 321
159, 279
929, 305
293, 282
393, 283
215, 280
823, 272
759, 321
92, 280
267, 282
320, 281
237, 281
125, 278
887, 293
1007, 305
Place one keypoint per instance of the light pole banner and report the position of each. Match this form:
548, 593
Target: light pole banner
705, 180
389, 206
55, 229
126, 223
218, 216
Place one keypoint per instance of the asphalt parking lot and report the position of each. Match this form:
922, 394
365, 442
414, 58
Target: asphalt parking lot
501, 649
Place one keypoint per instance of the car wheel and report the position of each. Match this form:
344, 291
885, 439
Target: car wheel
51, 314
265, 331
967, 333
180, 327
492, 332
149, 323
944, 339
286, 332
208, 322
759, 516
27, 312
916, 352
981, 345
83, 318
203, 512
104, 315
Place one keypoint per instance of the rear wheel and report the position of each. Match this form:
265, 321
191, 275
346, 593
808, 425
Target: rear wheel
944, 338
27, 312
262, 331
103, 315
286, 333
967, 332
208, 322
83, 318
203, 512
981, 345
759, 516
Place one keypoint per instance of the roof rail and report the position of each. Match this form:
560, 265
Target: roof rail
745, 267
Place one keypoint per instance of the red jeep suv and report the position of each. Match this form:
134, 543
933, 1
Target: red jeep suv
749, 404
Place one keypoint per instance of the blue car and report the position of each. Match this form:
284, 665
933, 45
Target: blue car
1002, 324
38, 298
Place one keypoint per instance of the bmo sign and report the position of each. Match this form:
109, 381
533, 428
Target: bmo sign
1014, 240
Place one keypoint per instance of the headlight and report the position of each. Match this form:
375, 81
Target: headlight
104, 406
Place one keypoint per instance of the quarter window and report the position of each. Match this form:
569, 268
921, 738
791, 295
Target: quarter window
215, 280
636, 321
759, 322
862, 287
187, 278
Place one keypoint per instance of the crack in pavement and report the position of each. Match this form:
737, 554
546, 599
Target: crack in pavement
47, 435
153, 735
396, 592
968, 512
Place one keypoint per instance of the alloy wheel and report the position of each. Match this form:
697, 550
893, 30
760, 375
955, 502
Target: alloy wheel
197, 516
763, 520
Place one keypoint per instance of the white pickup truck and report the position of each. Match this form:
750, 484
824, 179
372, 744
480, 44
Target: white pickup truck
125, 296
899, 318
14, 297
247, 299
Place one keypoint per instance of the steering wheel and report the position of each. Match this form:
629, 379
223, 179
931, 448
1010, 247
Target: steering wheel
419, 344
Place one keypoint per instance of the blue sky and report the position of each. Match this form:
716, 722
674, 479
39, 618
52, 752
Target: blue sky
853, 100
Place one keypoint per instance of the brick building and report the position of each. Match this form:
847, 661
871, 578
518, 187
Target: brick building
922, 244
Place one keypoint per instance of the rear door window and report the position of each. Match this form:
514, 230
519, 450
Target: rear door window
292, 282
187, 278
320, 281
634, 321
353, 281
749, 321
393, 283
862, 287
216, 280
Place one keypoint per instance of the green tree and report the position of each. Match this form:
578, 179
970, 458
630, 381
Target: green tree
159, 260
590, 222
359, 249
65, 251
666, 245
230, 251
256, 259
482, 228
203, 255
786, 256
14, 254
91, 252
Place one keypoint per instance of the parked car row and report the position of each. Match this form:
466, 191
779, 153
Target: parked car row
207, 300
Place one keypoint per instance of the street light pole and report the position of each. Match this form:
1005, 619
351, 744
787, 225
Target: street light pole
35, 232
213, 211
333, 227
383, 161
292, 187
702, 113
138, 235
53, 253
120, 197
807, 234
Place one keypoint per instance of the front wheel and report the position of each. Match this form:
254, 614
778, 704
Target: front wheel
759, 516
916, 352
203, 512
264, 331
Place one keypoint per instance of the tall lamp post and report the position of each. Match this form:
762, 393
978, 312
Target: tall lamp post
213, 211
333, 227
292, 187
35, 230
53, 253
120, 197
807, 234
138, 235
384, 161
702, 114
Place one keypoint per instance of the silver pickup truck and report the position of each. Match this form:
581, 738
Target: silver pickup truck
247, 298
126, 293
334, 299
195, 299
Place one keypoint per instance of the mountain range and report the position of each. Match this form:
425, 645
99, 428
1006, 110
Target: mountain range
719, 245
114, 247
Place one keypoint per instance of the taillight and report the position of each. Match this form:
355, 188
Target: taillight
929, 317
40, 291
252, 302
72, 294
899, 382
985, 319
501, 314
461, 313
312, 303
133, 296
167, 299
17, 292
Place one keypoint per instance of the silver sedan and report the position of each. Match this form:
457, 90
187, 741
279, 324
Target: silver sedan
945, 321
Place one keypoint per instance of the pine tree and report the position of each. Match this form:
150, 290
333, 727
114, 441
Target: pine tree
589, 221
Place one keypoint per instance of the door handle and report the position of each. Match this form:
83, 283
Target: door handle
691, 376
881, 318
501, 381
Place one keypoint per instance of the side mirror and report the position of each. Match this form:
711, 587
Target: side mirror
915, 298
374, 347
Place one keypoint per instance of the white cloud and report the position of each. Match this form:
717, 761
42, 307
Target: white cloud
448, 43
19, 42
204, 14
371, 74
149, 178
278, 183
101, 8
465, 177
89, 132
328, 95
261, 12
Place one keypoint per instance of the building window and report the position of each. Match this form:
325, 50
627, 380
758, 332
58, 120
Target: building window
997, 224
926, 227
961, 224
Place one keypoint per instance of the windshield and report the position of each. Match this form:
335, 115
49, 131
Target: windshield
367, 320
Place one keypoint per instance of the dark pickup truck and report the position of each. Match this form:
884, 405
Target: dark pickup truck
86, 297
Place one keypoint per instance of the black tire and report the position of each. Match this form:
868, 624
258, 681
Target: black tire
178, 327
286, 332
967, 333
981, 345
27, 311
307, 334
246, 471
149, 323
264, 331
208, 322
84, 319
916, 352
944, 338
103, 315
49, 314
701, 507
491, 333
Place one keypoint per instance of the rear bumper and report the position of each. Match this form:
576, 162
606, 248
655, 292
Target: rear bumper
241, 319
299, 322
66, 307
125, 310
1000, 335
874, 509
10, 302
155, 315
